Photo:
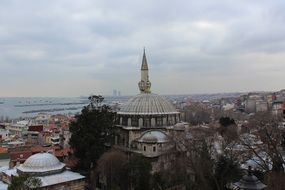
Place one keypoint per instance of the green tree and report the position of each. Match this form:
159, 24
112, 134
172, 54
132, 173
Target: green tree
91, 132
228, 129
24, 182
226, 121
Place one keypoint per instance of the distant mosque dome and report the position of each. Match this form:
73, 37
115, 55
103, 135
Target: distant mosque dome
41, 164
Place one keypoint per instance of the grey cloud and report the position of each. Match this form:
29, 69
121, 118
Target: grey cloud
101, 42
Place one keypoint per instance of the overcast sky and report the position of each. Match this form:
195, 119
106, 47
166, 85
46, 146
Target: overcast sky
72, 48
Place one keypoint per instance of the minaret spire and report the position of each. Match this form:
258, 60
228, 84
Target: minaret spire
144, 84
144, 61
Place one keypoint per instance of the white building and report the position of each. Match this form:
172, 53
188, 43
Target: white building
4, 134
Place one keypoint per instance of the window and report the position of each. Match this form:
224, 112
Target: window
159, 121
135, 122
154, 149
144, 148
146, 122
125, 121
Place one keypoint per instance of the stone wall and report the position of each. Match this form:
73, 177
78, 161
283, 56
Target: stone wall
72, 185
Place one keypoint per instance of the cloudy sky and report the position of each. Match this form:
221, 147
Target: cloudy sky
72, 48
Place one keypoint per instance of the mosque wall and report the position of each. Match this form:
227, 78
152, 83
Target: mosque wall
72, 185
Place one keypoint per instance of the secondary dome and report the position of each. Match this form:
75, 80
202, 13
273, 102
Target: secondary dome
147, 104
154, 137
41, 163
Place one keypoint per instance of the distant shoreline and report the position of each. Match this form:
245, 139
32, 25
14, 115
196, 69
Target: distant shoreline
52, 110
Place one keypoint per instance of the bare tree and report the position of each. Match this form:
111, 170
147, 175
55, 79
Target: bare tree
111, 169
267, 147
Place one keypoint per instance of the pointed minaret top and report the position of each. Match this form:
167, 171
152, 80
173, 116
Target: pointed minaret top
144, 61
144, 84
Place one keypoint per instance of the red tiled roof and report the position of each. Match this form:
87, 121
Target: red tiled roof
19, 148
65, 126
62, 152
24, 152
52, 126
38, 128
23, 155
3, 150
37, 149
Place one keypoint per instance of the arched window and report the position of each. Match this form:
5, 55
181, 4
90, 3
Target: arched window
159, 121
146, 122
135, 122
140, 122
125, 121
153, 123
129, 122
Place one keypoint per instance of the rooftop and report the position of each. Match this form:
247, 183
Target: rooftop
41, 163
60, 178
147, 104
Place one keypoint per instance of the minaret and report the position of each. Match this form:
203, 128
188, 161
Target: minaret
144, 84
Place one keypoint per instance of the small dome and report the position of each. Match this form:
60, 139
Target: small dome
41, 163
250, 182
154, 137
147, 104
179, 126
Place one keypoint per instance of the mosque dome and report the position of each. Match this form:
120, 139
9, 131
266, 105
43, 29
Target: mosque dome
41, 163
147, 104
250, 182
147, 109
154, 137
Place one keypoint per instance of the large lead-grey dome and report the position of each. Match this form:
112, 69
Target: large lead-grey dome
147, 104
41, 163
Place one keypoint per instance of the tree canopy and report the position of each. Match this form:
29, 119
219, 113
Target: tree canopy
226, 121
91, 131
120, 171
24, 182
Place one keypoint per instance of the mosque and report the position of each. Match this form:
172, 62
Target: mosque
52, 174
148, 124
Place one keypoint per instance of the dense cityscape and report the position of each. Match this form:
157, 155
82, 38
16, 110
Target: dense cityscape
210, 141
142, 95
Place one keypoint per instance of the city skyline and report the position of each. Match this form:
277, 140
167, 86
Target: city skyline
68, 48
